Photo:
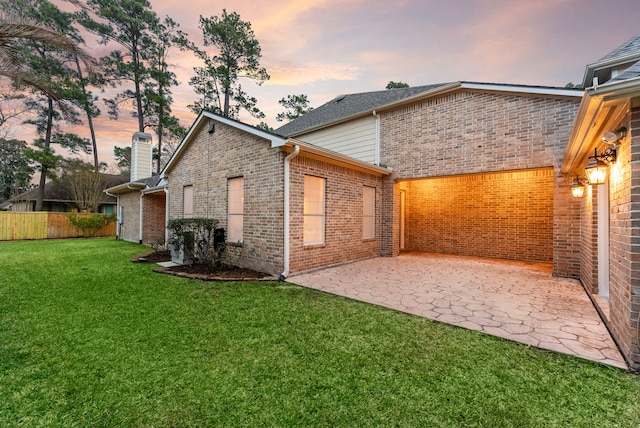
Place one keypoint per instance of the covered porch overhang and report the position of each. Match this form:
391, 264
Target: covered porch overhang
601, 110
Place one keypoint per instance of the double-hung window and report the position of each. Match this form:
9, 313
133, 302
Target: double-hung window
314, 212
187, 206
368, 212
236, 209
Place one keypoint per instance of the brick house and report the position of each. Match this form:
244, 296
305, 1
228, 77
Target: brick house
609, 211
466, 168
263, 187
141, 201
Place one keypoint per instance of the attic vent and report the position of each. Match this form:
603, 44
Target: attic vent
339, 98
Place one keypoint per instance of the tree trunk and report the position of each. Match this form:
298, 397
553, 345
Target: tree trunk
45, 167
96, 164
136, 82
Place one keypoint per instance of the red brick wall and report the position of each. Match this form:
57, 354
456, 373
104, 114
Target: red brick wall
343, 211
624, 283
153, 226
471, 132
589, 240
506, 215
208, 163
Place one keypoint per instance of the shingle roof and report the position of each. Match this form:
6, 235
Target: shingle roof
631, 46
345, 106
630, 73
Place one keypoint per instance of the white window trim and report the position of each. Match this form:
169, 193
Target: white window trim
372, 217
321, 215
186, 214
231, 214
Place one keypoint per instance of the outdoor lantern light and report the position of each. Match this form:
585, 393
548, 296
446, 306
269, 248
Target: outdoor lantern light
577, 188
597, 169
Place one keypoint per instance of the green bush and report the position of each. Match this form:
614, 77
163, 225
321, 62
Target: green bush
197, 234
91, 223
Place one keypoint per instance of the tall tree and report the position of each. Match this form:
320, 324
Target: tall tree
126, 23
15, 170
237, 55
296, 106
395, 85
122, 155
11, 108
157, 92
16, 27
51, 65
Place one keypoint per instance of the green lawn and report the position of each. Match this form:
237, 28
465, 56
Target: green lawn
88, 338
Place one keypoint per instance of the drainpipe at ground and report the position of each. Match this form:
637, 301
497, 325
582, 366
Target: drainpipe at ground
287, 249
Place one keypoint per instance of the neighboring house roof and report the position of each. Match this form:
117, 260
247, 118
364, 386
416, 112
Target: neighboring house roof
5, 205
622, 57
55, 192
346, 107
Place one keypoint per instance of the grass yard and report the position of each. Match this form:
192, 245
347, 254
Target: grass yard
88, 338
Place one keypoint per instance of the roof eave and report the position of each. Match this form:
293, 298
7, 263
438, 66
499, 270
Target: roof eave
448, 87
591, 69
124, 188
602, 109
319, 153
275, 140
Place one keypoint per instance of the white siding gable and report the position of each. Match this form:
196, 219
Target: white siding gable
356, 138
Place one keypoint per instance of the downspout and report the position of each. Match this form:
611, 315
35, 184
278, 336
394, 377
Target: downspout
377, 144
166, 215
141, 206
287, 249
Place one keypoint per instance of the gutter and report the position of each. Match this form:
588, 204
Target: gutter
287, 231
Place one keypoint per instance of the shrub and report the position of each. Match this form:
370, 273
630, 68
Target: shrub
91, 223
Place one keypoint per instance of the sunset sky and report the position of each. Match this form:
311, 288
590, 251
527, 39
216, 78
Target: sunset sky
323, 48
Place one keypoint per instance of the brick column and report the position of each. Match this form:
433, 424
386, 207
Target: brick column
390, 230
632, 288
566, 228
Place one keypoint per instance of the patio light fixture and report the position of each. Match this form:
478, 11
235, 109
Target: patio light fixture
577, 188
596, 171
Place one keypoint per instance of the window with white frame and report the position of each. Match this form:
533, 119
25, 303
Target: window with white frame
236, 209
187, 205
314, 210
368, 212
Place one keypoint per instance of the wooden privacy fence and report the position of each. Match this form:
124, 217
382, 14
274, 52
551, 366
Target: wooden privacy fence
44, 225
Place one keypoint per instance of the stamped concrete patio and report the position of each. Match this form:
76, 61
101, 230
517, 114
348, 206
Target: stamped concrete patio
518, 301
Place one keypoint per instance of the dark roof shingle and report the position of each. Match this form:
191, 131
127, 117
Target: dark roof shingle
631, 46
344, 106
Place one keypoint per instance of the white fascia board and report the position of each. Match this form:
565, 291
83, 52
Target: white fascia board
610, 63
523, 89
276, 141
124, 188
336, 158
623, 88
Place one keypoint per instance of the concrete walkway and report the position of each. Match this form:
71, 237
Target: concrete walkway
513, 300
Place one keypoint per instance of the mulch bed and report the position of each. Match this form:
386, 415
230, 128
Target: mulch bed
202, 271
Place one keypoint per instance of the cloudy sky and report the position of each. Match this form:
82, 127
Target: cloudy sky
323, 48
